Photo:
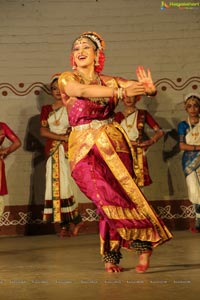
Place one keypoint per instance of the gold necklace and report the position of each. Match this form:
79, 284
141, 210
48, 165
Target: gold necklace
129, 112
95, 80
130, 126
194, 121
193, 131
87, 80
57, 121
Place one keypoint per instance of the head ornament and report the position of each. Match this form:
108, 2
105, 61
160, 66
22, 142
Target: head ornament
54, 77
94, 37
99, 44
194, 96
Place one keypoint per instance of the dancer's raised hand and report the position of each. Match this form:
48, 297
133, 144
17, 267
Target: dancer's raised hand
145, 78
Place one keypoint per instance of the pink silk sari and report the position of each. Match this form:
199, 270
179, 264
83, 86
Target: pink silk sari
104, 167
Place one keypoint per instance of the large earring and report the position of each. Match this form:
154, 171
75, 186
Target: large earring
97, 59
73, 64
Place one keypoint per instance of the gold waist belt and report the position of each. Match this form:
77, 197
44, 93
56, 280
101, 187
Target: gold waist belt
95, 124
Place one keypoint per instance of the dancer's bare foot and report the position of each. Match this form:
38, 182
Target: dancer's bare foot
76, 228
194, 230
144, 260
64, 232
112, 268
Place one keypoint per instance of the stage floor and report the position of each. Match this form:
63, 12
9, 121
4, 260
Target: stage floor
47, 267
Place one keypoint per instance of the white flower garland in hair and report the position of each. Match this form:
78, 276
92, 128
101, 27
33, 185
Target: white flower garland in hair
195, 95
94, 39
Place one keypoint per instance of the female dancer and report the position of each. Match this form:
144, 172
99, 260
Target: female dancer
189, 142
100, 154
60, 203
6, 132
133, 120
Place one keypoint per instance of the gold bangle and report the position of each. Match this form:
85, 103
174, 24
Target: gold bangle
115, 93
124, 94
120, 93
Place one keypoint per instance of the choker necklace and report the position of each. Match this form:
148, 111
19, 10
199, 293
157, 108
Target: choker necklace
88, 80
129, 112
191, 124
95, 80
